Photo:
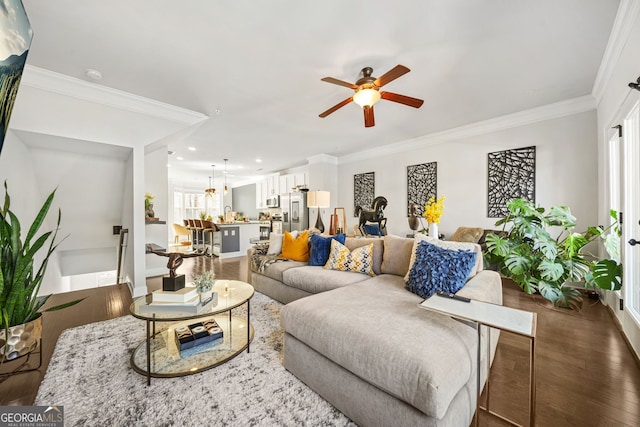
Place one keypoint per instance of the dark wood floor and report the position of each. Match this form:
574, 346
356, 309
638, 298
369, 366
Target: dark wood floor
586, 374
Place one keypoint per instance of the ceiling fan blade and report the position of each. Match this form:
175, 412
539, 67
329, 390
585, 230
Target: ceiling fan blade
368, 116
402, 99
391, 75
339, 82
337, 106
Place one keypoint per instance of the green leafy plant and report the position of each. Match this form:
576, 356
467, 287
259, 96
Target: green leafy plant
540, 262
205, 281
19, 282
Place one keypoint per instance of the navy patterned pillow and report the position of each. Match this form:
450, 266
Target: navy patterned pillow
439, 269
321, 246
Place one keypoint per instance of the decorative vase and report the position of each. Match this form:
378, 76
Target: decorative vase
433, 230
23, 339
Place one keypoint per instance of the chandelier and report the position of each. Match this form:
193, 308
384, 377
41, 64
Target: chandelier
226, 190
209, 192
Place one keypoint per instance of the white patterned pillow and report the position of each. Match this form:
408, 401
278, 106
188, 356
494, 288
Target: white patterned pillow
360, 260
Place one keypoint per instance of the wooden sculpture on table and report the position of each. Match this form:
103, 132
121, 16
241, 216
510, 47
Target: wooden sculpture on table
374, 215
414, 220
175, 281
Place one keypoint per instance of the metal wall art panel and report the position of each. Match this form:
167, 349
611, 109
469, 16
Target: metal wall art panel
422, 183
364, 190
511, 175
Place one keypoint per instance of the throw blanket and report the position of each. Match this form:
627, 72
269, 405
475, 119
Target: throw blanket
260, 260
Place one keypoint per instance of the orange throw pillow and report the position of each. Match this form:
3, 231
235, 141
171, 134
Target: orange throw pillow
295, 249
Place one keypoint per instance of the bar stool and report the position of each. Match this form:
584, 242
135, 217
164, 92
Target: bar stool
211, 228
195, 227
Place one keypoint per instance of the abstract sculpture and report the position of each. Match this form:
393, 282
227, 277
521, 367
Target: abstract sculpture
374, 215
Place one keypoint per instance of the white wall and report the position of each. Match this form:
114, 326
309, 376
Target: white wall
90, 206
27, 197
626, 68
566, 173
156, 182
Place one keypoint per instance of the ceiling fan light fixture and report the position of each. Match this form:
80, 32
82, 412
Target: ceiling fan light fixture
366, 97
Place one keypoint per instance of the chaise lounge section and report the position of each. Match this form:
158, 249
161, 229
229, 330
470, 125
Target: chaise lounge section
363, 343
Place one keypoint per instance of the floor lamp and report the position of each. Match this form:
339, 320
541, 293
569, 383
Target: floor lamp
319, 200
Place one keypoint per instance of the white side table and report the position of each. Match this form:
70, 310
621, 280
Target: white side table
495, 316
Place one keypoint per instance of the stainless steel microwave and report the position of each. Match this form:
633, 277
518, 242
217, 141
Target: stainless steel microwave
273, 201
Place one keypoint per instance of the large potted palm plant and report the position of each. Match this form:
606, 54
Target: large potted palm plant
542, 252
20, 306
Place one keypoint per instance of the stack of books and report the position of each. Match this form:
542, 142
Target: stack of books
185, 300
197, 334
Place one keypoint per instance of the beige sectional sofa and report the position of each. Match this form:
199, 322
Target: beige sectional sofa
364, 345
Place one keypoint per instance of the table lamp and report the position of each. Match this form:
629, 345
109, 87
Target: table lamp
319, 199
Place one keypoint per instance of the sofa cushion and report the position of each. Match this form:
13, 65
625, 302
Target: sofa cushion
448, 245
396, 255
275, 242
316, 279
424, 361
360, 260
439, 269
378, 248
295, 248
467, 234
276, 270
321, 247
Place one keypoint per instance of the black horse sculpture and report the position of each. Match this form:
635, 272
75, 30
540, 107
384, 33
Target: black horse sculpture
374, 215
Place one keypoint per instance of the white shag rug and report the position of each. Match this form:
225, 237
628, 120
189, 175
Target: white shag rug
89, 374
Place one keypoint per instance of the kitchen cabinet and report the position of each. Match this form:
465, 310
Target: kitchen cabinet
230, 239
289, 181
261, 194
268, 186
273, 185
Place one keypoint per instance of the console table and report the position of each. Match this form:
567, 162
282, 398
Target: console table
519, 322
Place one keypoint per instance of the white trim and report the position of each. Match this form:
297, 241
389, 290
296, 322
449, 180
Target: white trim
622, 26
547, 112
50, 81
322, 158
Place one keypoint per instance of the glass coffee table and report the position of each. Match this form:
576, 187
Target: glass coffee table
158, 355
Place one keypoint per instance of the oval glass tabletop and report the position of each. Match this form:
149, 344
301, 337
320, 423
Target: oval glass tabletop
230, 293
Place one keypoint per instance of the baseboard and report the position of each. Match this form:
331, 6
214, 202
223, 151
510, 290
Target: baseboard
616, 322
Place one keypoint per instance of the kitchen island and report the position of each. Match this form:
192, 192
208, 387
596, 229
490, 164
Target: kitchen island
235, 237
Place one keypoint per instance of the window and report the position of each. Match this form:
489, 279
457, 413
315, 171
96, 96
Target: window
191, 205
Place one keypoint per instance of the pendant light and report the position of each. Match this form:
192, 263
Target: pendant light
209, 192
226, 190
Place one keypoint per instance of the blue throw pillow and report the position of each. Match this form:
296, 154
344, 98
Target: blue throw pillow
373, 230
439, 269
321, 246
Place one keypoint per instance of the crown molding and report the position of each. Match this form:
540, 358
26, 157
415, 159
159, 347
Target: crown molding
322, 159
539, 114
622, 26
62, 84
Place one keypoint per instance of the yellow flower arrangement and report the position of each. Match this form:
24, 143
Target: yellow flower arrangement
433, 209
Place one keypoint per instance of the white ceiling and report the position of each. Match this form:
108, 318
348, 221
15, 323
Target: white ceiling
255, 67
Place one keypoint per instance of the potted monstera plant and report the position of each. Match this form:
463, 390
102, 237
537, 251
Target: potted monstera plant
541, 252
20, 306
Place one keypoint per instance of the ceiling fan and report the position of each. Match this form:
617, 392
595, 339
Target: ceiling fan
367, 92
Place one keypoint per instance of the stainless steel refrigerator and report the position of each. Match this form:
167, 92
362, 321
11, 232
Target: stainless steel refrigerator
295, 214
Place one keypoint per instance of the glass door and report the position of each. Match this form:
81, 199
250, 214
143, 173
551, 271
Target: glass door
630, 185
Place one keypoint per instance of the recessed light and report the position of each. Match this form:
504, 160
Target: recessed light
180, 158
192, 148
258, 160
168, 165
